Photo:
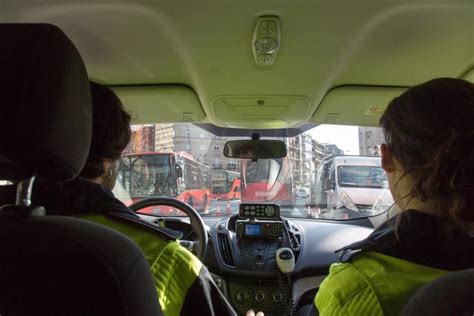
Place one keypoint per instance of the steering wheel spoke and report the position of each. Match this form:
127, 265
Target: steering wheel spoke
199, 248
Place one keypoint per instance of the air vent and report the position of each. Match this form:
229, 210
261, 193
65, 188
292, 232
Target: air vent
225, 250
294, 235
298, 237
295, 241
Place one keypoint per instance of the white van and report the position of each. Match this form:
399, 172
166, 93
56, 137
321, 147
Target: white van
351, 187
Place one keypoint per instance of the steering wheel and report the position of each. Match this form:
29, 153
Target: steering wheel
199, 247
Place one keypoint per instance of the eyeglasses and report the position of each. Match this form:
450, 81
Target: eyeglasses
388, 138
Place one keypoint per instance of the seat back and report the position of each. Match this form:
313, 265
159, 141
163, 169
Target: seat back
451, 294
52, 265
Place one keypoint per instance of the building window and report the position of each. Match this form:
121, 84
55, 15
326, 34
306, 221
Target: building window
216, 163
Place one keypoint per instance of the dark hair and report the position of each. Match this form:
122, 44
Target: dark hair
430, 130
110, 130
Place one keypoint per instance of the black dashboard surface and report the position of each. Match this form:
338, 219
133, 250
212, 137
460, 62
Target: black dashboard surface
320, 241
250, 283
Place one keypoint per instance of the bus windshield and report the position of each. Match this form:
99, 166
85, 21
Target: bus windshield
222, 180
176, 175
147, 175
361, 176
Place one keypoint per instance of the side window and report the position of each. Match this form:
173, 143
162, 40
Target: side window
333, 174
326, 172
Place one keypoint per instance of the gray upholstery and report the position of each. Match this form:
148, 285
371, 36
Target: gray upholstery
54, 265
451, 294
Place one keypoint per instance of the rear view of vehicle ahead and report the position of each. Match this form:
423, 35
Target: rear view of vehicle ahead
351, 187
153, 174
267, 180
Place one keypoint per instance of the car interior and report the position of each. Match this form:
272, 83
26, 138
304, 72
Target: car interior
240, 71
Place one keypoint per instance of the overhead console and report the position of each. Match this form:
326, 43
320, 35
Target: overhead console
248, 111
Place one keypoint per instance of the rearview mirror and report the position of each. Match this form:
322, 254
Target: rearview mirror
255, 149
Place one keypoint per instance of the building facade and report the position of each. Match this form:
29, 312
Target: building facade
370, 139
205, 147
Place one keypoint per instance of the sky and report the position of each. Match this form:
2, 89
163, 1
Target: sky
345, 137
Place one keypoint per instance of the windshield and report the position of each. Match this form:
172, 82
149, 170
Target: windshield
330, 172
361, 177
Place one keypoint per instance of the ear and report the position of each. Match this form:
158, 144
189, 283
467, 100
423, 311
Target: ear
388, 161
106, 166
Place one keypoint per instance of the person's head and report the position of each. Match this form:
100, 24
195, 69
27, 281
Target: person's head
110, 136
429, 150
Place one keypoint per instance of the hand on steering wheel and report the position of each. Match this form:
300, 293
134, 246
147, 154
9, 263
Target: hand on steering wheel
195, 220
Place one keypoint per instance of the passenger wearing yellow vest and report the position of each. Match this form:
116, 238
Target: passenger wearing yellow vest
184, 286
428, 157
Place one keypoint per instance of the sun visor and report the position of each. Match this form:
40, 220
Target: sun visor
263, 111
161, 104
355, 105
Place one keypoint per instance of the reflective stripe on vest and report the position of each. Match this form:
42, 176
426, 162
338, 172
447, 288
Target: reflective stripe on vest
174, 268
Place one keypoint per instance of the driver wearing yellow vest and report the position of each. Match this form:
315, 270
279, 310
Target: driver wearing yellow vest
184, 286
429, 161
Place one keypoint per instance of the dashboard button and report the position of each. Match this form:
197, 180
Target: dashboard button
277, 297
242, 296
259, 297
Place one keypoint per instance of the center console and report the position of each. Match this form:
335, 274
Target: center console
247, 245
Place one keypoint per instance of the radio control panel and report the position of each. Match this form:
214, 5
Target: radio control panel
259, 210
262, 229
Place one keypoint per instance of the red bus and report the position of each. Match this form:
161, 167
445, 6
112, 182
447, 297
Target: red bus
267, 180
225, 185
177, 175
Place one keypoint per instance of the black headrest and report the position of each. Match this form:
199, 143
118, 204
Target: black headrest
45, 104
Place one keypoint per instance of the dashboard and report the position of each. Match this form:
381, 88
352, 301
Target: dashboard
242, 255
